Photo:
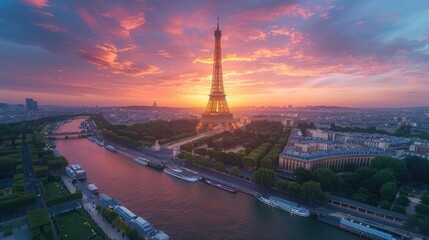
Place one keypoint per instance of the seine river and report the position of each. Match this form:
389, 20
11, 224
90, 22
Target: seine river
187, 210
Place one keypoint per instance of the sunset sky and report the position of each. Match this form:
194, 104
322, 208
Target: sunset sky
110, 52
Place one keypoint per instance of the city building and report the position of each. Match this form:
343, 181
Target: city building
419, 148
333, 149
31, 105
290, 160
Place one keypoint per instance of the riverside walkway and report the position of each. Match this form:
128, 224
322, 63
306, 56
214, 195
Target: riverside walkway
90, 202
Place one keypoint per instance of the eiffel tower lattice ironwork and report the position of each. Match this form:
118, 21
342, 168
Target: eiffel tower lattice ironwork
217, 110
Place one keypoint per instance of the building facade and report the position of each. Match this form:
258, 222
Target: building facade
290, 162
332, 149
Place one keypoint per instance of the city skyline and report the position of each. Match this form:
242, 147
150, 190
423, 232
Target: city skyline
274, 53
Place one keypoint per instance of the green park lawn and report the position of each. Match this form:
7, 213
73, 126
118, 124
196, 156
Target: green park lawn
53, 190
77, 225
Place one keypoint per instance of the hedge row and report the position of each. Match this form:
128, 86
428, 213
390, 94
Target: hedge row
15, 200
65, 198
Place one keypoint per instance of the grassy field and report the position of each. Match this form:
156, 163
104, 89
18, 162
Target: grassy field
77, 225
55, 189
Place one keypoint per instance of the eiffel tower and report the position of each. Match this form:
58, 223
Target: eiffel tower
217, 110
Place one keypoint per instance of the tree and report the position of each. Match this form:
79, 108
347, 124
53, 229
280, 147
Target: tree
424, 227
351, 180
248, 162
265, 177
41, 171
283, 186
425, 199
117, 222
371, 185
412, 222
220, 166
418, 168
181, 155
56, 164
372, 199
359, 197
350, 167
205, 163
385, 204
388, 191
302, 175
398, 208
188, 157
384, 176
229, 158
7, 166
379, 162
397, 165
363, 173
7, 230
294, 188
327, 179
234, 171
313, 192
403, 200
18, 224
109, 214
422, 209
200, 151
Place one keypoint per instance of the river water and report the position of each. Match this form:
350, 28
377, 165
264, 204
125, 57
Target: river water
186, 210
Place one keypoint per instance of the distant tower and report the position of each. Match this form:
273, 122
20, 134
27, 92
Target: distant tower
31, 105
154, 104
217, 111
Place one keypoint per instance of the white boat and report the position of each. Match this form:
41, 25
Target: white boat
265, 200
160, 236
282, 204
92, 188
142, 161
175, 172
110, 148
100, 143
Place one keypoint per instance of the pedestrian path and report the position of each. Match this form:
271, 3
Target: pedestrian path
90, 207
101, 222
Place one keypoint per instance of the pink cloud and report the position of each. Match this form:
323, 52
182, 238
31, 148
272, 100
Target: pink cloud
324, 16
264, 14
260, 36
280, 32
303, 12
48, 14
132, 22
89, 18
37, 3
50, 27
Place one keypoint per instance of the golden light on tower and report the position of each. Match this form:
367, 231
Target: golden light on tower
217, 110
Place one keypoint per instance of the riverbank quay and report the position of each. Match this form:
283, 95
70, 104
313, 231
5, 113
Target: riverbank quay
389, 220
89, 203
250, 188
